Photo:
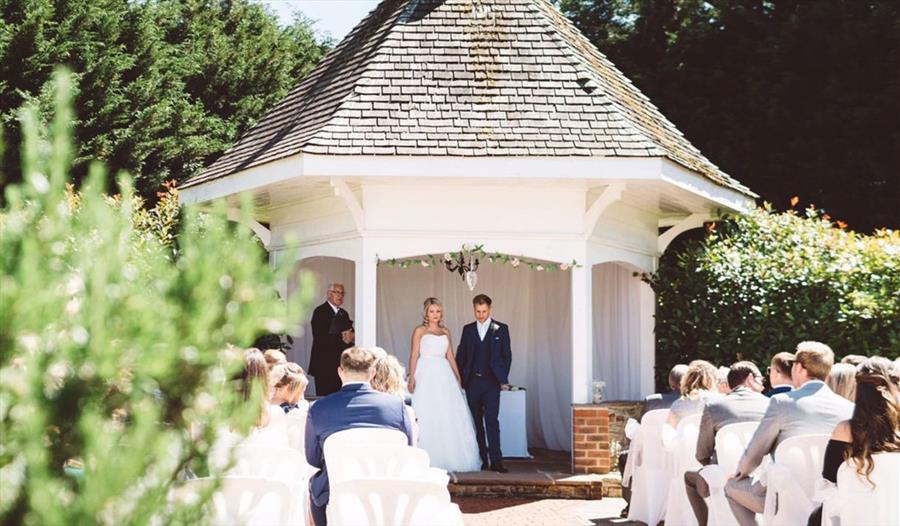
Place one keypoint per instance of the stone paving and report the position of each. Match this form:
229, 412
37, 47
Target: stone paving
547, 512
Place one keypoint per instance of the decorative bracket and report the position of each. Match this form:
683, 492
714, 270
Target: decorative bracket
342, 190
610, 195
263, 233
687, 223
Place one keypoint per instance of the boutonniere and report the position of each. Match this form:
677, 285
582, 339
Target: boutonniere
495, 326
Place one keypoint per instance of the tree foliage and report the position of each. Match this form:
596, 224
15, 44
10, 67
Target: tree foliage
760, 283
163, 86
116, 340
791, 97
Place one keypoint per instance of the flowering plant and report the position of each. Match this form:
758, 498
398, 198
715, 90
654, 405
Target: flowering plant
469, 250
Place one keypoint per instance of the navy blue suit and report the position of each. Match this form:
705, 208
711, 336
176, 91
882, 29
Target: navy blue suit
484, 367
355, 405
778, 390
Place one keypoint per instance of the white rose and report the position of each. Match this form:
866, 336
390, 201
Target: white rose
564, 266
514, 262
467, 247
495, 326
539, 268
426, 264
448, 257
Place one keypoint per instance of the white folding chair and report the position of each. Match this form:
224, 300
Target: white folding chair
388, 502
246, 501
296, 430
365, 436
650, 478
683, 457
376, 461
731, 441
791, 478
862, 504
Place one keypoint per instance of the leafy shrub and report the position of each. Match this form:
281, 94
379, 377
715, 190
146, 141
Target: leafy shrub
115, 349
760, 283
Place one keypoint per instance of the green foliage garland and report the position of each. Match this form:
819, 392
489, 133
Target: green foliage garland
478, 251
760, 283
116, 351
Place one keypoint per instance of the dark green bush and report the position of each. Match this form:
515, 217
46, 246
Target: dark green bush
760, 283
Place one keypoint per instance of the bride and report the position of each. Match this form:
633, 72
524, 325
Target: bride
446, 430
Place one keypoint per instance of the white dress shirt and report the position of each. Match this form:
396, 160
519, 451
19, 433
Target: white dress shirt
483, 327
335, 309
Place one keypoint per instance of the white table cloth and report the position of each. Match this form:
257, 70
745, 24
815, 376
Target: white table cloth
513, 434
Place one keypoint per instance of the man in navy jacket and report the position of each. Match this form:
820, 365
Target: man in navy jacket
483, 358
355, 405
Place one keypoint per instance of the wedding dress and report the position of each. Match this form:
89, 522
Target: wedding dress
446, 429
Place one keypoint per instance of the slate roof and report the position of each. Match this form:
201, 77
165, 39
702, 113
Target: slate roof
464, 78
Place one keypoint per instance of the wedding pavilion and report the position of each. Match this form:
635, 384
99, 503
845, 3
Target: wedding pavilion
442, 123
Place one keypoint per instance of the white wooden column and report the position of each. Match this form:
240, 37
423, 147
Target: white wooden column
366, 295
582, 333
647, 339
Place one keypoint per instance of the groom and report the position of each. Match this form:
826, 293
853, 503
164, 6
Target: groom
483, 358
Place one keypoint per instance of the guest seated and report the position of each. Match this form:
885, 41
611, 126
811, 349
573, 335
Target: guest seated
289, 383
356, 404
390, 378
697, 386
854, 359
842, 380
811, 408
744, 403
873, 428
780, 373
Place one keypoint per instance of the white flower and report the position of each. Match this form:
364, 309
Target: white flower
514, 262
564, 266
448, 257
467, 247
426, 264
539, 268
495, 326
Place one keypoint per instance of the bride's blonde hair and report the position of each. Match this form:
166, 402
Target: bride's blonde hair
428, 303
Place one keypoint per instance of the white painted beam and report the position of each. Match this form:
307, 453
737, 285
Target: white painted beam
342, 190
610, 195
690, 222
263, 233
582, 333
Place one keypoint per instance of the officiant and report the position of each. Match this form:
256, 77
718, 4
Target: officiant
333, 332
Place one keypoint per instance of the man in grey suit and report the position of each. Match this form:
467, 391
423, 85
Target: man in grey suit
811, 408
744, 403
652, 402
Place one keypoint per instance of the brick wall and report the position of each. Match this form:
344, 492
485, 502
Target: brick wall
619, 413
590, 439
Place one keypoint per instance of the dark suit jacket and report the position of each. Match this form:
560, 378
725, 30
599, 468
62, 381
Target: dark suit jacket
499, 345
355, 405
741, 405
327, 345
660, 401
778, 390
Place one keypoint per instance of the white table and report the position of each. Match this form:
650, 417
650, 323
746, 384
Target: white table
513, 434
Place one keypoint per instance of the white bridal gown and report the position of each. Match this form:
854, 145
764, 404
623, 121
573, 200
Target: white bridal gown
446, 430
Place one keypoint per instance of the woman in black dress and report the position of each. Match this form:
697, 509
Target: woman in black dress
873, 428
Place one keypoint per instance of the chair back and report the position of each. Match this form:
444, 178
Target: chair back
731, 441
377, 461
803, 456
296, 430
652, 453
684, 449
862, 504
276, 463
386, 502
364, 436
245, 501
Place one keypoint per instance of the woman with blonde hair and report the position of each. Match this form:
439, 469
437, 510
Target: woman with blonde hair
698, 385
288, 384
389, 378
842, 380
446, 427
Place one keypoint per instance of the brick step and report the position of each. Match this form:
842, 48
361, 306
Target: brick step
535, 485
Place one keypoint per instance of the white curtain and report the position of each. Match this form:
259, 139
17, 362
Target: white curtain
535, 305
616, 296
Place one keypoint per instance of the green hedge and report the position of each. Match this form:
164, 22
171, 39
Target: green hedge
759, 283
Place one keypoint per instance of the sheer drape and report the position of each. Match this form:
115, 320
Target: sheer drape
616, 294
535, 305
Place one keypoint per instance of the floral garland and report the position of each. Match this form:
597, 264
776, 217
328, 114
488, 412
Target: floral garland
469, 250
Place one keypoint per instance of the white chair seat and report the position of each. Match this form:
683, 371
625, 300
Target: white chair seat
389, 502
